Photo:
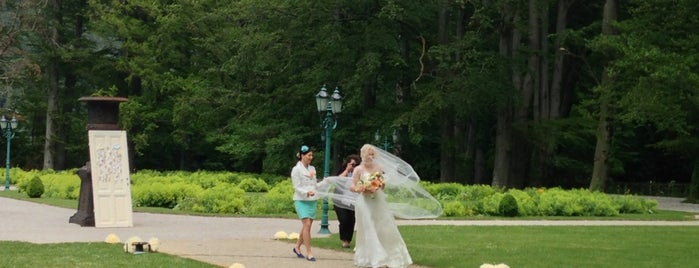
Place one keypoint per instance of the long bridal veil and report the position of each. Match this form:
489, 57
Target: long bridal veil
405, 197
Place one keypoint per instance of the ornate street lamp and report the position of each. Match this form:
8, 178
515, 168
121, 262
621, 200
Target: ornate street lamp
386, 143
331, 105
8, 126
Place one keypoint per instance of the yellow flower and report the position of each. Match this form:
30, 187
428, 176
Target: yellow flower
294, 235
281, 235
112, 239
488, 265
154, 244
236, 265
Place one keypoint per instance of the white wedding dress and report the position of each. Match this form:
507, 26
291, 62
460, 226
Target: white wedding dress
379, 243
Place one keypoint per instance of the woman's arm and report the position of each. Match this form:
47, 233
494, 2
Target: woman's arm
296, 181
356, 177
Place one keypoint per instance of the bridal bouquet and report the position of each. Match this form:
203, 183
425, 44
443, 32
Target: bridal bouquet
374, 182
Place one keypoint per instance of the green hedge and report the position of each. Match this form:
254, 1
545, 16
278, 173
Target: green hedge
257, 194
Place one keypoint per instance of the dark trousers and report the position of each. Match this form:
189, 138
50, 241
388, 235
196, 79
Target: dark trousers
346, 219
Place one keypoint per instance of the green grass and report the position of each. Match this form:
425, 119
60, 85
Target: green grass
436, 246
58, 202
547, 246
96, 255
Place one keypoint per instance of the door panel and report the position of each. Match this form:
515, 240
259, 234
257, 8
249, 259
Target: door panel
111, 181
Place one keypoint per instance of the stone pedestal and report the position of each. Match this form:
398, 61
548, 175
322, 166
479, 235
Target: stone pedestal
102, 114
86, 208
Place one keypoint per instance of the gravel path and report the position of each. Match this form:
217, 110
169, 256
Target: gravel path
224, 241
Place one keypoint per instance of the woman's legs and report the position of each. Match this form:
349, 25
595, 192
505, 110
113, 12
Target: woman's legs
305, 237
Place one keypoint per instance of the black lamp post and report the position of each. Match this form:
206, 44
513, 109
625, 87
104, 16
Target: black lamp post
331, 105
8, 126
386, 144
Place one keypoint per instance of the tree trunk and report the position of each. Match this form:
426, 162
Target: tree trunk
550, 97
446, 163
556, 96
467, 166
62, 125
503, 133
528, 84
694, 184
51, 108
600, 171
53, 37
508, 45
465, 142
479, 169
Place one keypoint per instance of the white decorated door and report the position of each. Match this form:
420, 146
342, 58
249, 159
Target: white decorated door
111, 181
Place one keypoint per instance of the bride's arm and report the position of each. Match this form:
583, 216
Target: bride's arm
356, 177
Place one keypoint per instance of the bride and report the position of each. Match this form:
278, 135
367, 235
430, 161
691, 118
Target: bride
383, 187
379, 242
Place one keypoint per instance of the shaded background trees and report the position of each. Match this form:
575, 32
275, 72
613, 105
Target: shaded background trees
504, 92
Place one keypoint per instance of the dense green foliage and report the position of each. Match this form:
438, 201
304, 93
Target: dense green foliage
240, 193
230, 85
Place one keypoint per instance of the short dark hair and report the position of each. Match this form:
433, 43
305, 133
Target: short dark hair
354, 157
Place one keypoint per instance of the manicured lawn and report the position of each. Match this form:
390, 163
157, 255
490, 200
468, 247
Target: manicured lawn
547, 246
98, 255
436, 246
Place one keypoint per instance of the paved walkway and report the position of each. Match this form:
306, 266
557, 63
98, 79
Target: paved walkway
224, 241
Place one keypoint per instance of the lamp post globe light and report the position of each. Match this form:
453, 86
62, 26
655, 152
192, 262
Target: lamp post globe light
8, 126
331, 105
386, 143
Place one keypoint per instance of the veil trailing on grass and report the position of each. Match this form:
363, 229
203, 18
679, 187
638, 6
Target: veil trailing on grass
405, 197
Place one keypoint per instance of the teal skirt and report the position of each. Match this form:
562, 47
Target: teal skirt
305, 208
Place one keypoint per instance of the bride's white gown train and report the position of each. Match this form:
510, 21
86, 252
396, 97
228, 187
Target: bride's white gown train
379, 243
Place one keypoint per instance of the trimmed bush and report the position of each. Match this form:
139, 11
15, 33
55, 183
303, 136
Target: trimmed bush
278, 200
443, 191
63, 184
222, 198
253, 185
256, 194
634, 204
527, 201
162, 194
490, 205
35, 188
453, 208
508, 206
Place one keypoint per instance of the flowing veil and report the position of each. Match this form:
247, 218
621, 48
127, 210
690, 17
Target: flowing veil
405, 197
